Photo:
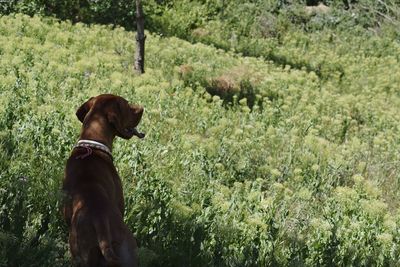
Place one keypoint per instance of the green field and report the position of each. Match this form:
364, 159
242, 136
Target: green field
287, 158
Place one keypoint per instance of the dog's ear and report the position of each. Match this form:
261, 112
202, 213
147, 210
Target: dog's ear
84, 109
124, 118
114, 116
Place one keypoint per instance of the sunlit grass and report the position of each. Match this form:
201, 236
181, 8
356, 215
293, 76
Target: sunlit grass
305, 175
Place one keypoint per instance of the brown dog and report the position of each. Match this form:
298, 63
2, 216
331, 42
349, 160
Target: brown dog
94, 203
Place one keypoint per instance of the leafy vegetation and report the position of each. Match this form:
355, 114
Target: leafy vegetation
255, 28
246, 162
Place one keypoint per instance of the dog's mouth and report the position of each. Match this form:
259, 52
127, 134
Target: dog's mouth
130, 131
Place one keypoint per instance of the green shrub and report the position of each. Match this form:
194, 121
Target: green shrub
308, 176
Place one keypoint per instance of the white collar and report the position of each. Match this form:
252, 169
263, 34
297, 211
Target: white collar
94, 144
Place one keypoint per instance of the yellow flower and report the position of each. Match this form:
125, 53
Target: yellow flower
297, 171
172, 121
243, 101
278, 187
385, 239
315, 167
276, 173
358, 179
374, 208
304, 194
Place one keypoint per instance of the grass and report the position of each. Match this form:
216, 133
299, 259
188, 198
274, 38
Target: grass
303, 171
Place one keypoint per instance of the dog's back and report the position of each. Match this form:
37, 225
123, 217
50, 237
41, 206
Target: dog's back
94, 198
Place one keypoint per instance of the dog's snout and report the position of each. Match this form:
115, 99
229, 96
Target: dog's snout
137, 109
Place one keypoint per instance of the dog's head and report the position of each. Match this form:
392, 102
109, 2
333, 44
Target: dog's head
122, 116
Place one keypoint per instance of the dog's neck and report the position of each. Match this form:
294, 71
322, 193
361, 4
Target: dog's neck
98, 129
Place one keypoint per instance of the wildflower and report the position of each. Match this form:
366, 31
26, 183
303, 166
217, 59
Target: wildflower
358, 179
361, 166
216, 98
243, 101
385, 239
56, 131
211, 146
256, 220
389, 224
304, 194
238, 132
346, 196
172, 121
374, 208
206, 110
315, 167
297, 171
185, 212
371, 189
241, 164
321, 225
264, 169
219, 166
246, 109
116, 77
278, 187
207, 96
267, 203
276, 173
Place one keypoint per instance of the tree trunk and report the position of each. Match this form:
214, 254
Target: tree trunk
140, 38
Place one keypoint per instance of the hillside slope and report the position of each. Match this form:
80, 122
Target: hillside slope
285, 167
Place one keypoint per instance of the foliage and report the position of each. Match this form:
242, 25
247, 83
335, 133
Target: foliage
262, 28
88, 11
257, 18
252, 28
303, 171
